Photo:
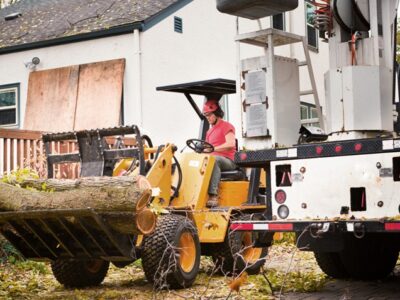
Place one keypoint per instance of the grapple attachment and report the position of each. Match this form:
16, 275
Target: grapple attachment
95, 155
84, 233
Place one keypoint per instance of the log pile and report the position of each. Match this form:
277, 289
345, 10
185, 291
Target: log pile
121, 200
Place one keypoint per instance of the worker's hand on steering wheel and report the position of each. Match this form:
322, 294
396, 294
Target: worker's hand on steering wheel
200, 146
208, 150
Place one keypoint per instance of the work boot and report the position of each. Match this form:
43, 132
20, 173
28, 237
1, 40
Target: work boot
212, 201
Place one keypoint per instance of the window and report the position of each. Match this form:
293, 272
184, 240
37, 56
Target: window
308, 114
303, 112
312, 33
9, 102
178, 25
278, 21
313, 112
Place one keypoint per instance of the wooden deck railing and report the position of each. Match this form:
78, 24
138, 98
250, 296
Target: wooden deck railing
25, 149
20, 149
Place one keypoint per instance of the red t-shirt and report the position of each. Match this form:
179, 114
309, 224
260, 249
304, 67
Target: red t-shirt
216, 136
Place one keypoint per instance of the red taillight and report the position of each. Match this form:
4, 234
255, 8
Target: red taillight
319, 149
280, 196
358, 147
338, 148
392, 226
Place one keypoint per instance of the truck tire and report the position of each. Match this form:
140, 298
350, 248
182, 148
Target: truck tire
372, 257
331, 264
77, 274
236, 253
171, 254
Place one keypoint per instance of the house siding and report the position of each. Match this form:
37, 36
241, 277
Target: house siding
205, 50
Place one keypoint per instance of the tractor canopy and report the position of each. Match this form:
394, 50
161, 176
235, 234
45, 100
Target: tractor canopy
210, 89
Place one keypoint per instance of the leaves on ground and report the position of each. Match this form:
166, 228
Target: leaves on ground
34, 280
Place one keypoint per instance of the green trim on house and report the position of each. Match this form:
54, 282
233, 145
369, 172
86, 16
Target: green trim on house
17, 86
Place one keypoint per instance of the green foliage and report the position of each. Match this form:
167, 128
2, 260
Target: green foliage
398, 42
19, 176
138, 263
398, 47
288, 238
30, 265
8, 252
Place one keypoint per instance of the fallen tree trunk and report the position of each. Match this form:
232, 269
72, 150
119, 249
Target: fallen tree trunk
126, 196
100, 193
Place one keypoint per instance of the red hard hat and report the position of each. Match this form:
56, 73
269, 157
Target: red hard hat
210, 106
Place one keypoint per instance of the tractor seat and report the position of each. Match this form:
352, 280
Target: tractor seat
234, 175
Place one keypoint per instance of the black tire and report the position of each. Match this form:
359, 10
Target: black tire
372, 257
79, 274
331, 264
236, 253
165, 261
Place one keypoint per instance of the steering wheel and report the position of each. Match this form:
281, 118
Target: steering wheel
199, 146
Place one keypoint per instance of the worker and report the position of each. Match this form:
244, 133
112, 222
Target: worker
222, 136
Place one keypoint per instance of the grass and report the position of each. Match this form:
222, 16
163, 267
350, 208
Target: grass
25, 279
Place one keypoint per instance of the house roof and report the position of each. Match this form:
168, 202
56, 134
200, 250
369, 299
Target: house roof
47, 20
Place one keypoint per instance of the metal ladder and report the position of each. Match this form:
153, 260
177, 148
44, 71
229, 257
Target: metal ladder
313, 91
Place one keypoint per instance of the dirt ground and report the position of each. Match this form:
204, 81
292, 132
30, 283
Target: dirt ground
290, 273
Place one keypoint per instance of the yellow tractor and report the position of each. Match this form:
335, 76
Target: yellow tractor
171, 254
81, 243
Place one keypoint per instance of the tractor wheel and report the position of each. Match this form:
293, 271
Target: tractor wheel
331, 264
236, 253
78, 274
372, 257
171, 254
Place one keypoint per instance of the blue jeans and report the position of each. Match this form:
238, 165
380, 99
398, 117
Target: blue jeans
221, 164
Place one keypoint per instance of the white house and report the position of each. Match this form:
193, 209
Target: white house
137, 46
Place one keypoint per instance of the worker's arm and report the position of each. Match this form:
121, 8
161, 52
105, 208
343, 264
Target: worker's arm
230, 143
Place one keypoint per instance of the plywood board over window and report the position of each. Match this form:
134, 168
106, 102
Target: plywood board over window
75, 97
99, 94
51, 99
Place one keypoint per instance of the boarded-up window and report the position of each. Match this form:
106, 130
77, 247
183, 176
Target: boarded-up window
76, 97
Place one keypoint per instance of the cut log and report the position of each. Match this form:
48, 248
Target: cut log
100, 193
125, 197
143, 222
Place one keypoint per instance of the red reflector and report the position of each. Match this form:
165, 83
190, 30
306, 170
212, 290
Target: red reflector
282, 227
319, 149
358, 147
241, 226
392, 226
280, 196
338, 148
243, 156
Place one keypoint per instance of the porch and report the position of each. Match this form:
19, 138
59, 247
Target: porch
25, 149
